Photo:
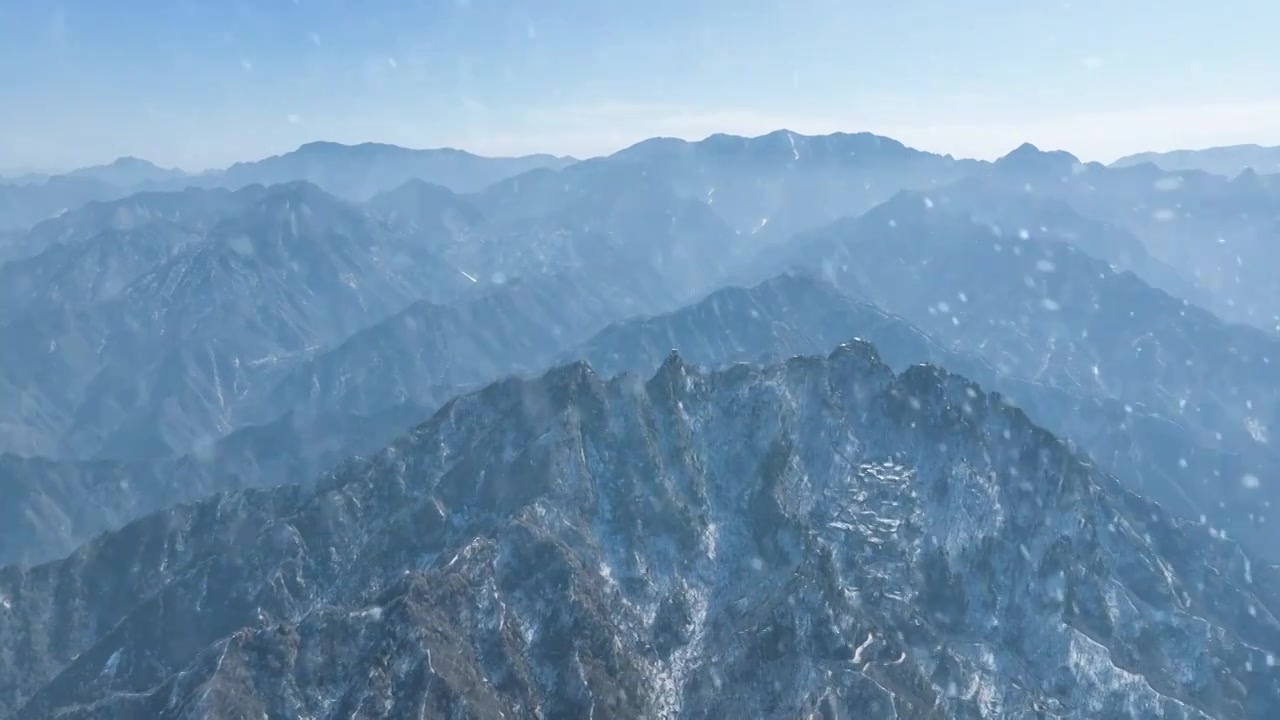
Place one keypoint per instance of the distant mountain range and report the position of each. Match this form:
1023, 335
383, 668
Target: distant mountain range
769, 187
354, 172
1229, 161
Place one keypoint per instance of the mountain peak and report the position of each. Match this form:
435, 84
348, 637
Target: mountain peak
1027, 152
129, 161
1029, 158
1025, 148
319, 146
673, 363
294, 195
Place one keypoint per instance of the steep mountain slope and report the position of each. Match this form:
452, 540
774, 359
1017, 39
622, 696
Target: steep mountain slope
1052, 218
24, 205
164, 363
49, 508
792, 314
195, 210
1216, 232
606, 246
90, 270
433, 213
426, 351
599, 217
1045, 311
816, 537
1229, 161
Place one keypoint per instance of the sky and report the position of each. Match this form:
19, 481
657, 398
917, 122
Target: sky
200, 84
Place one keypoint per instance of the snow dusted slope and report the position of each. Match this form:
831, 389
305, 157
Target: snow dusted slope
817, 538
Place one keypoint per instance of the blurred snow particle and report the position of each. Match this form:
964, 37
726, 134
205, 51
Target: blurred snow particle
1050, 304
1250, 481
1256, 430
293, 118
1023, 234
1163, 215
928, 203
246, 64
1172, 182
241, 244
1045, 265
391, 63
314, 38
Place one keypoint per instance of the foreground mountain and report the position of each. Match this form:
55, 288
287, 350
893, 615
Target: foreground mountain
820, 536
1229, 161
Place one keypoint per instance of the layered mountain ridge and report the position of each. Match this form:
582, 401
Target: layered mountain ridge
700, 510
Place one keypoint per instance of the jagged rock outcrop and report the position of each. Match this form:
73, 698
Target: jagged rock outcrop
820, 537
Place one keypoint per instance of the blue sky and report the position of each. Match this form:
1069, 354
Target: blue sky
202, 83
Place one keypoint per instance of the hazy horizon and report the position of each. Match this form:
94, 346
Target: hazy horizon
18, 172
199, 86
